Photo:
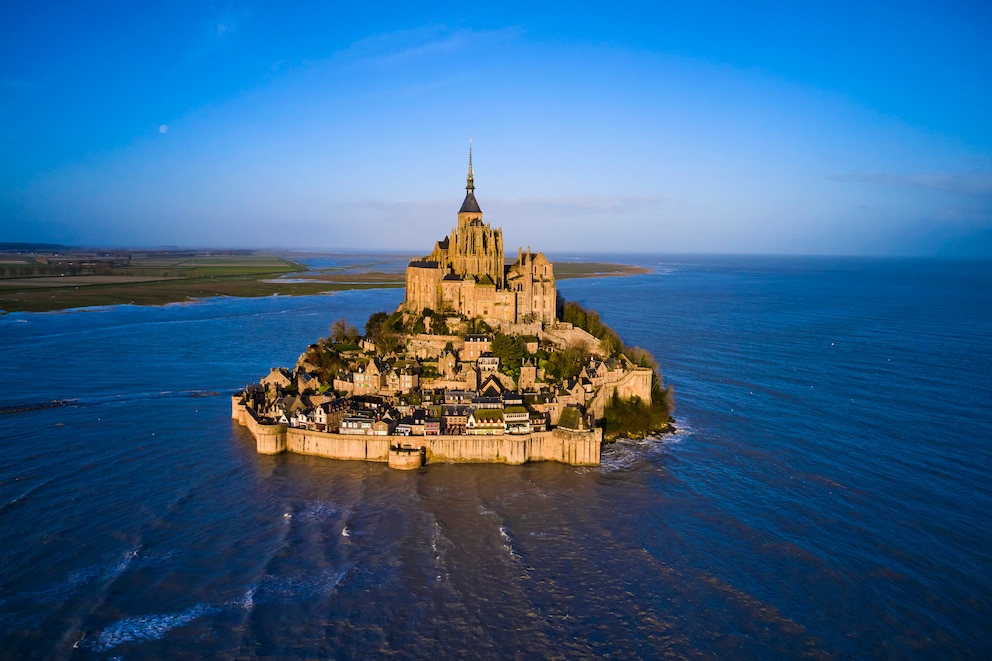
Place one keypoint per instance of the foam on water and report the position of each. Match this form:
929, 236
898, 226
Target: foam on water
627, 454
301, 585
319, 511
144, 628
508, 543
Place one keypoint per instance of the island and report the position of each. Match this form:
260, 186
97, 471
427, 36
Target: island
483, 361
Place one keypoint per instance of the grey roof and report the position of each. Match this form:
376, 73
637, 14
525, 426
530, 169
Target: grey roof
470, 205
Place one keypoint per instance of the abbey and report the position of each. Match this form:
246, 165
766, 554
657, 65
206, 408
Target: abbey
467, 273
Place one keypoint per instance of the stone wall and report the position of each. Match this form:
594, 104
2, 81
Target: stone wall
563, 336
431, 346
337, 446
575, 448
269, 439
636, 383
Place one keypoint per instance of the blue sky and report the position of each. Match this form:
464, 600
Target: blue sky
839, 128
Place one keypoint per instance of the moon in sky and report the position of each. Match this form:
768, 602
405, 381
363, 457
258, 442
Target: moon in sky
163, 129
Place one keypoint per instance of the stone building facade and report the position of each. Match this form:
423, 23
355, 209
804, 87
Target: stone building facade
467, 273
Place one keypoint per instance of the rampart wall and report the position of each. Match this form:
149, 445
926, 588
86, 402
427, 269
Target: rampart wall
565, 335
635, 383
575, 448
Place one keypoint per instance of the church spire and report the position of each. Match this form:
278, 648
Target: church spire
470, 205
470, 184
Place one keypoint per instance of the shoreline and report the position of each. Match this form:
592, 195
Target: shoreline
219, 279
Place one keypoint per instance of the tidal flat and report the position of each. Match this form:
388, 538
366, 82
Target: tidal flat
43, 283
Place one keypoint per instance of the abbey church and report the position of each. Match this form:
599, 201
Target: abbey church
467, 273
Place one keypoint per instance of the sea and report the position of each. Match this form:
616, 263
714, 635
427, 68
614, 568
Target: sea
827, 495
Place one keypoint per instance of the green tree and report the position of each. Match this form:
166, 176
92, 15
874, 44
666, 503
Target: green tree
439, 323
567, 363
510, 349
376, 321
396, 322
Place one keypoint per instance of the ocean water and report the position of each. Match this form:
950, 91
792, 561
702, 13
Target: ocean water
827, 494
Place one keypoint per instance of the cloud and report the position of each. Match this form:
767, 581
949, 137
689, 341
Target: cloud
972, 183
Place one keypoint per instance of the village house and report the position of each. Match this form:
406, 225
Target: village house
306, 382
475, 346
517, 419
356, 423
455, 418
487, 362
485, 422
277, 379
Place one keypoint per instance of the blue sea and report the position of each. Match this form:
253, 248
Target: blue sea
828, 493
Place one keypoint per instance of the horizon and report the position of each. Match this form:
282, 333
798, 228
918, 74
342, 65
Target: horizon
553, 255
253, 125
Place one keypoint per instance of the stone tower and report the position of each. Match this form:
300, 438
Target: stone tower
474, 248
467, 273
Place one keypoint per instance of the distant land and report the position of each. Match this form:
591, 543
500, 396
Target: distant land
47, 277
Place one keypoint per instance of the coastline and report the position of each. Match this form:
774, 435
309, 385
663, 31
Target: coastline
268, 275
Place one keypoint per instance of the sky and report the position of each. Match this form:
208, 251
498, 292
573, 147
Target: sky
857, 128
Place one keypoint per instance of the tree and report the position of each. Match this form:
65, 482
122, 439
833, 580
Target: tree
641, 357
567, 363
375, 322
439, 323
396, 322
342, 331
386, 342
510, 350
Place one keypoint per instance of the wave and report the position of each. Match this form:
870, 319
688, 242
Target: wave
319, 511
300, 586
150, 627
626, 454
17, 500
508, 543
144, 628
110, 399
104, 573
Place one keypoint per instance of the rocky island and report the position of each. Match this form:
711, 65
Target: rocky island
482, 362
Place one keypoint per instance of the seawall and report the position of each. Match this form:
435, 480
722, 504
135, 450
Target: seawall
567, 447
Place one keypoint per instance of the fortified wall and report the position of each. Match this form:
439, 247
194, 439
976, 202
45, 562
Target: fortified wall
564, 446
635, 383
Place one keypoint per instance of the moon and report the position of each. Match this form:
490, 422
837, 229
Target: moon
163, 129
